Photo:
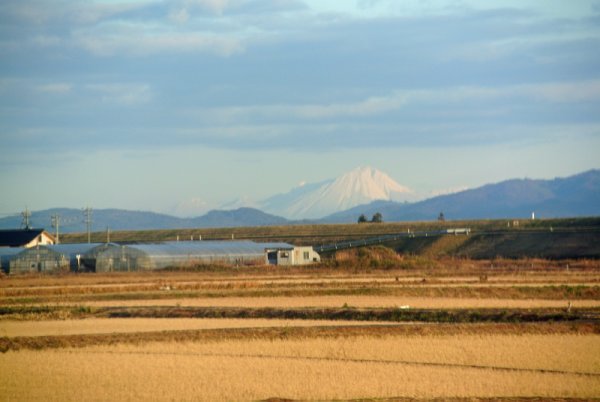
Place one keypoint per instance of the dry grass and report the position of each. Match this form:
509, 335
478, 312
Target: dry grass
559, 286
365, 367
352, 301
295, 332
515, 270
416, 288
135, 325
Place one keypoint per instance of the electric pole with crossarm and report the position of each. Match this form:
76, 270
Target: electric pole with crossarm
87, 212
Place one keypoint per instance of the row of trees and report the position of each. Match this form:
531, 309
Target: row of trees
377, 218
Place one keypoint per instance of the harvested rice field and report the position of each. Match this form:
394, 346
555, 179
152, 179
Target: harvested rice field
315, 369
354, 301
129, 325
302, 335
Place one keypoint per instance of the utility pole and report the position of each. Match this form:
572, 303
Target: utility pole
55, 219
26, 216
87, 212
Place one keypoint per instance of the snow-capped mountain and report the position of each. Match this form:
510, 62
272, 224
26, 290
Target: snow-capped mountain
359, 186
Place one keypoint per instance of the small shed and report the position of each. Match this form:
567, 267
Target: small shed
286, 254
50, 258
304, 256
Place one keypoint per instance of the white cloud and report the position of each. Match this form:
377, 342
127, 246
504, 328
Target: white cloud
47, 40
84, 13
565, 92
179, 16
140, 44
56, 88
216, 6
122, 94
396, 100
369, 107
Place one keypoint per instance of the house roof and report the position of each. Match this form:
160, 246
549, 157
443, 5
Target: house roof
18, 237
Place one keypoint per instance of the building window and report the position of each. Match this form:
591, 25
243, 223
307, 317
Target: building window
306, 255
285, 254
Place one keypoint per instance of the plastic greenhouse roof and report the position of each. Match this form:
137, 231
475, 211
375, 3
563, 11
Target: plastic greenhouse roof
7, 251
73, 248
207, 247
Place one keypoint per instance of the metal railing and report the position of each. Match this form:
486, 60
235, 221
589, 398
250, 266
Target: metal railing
387, 238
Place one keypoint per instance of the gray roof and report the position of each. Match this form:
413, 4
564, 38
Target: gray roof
8, 251
276, 246
207, 247
72, 249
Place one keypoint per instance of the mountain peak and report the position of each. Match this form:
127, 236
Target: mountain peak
372, 183
361, 185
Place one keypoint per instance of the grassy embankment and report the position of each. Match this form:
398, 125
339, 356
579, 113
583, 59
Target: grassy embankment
318, 233
543, 238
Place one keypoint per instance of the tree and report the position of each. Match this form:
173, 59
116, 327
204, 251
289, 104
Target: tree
362, 218
441, 217
377, 218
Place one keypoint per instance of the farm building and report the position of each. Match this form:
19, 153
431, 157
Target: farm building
7, 254
140, 257
292, 255
25, 238
50, 258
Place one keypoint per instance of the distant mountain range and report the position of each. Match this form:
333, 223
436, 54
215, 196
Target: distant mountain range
72, 220
577, 195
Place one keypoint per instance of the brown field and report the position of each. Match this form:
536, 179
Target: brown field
391, 286
352, 301
128, 325
61, 340
425, 367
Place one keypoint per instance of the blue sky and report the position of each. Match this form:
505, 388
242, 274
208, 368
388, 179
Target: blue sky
153, 105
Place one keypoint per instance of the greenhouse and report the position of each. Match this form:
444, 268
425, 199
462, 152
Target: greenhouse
50, 258
88, 260
140, 257
7, 254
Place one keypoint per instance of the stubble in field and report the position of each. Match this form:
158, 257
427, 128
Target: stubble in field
137, 325
413, 366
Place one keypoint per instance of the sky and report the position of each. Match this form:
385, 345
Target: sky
180, 106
